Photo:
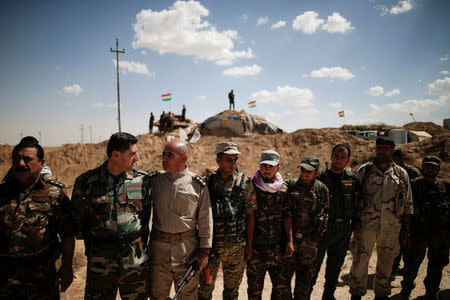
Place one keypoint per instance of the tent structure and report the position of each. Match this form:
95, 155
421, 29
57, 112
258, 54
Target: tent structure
417, 136
235, 123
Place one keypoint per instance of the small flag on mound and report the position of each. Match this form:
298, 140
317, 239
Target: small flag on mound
341, 114
166, 97
252, 104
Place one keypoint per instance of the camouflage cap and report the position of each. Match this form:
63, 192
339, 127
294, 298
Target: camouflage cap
227, 148
269, 157
434, 160
310, 163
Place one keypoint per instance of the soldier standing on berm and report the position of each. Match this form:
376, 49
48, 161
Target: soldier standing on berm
273, 231
230, 192
35, 215
386, 208
112, 210
182, 223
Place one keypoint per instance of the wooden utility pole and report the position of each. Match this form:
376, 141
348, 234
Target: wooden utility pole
117, 51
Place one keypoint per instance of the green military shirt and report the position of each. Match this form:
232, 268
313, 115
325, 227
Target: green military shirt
309, 206
112, 214
229, 201
33, 223
342, 188
431, 204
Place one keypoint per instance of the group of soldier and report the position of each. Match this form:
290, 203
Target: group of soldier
258, 223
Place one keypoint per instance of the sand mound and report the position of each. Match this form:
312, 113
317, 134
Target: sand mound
429, 127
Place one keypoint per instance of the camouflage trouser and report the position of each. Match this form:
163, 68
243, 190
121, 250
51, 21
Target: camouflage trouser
438, 252
304, 265
268, 259
169, 263
35, 281
106, 275
362, 245
233, 266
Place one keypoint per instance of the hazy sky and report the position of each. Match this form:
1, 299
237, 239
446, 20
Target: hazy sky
302, 61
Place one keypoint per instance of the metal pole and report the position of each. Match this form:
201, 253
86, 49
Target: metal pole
117, 51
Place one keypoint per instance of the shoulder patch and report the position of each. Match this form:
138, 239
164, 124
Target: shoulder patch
200, 180
56, 183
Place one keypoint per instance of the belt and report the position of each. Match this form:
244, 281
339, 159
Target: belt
338, 220
158, 235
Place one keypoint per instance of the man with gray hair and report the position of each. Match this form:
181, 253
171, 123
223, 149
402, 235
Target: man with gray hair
232, 196
182, 223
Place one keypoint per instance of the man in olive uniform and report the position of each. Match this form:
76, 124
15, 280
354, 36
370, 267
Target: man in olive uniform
112, 210
430, 229
271, 244
182, 223
231, 194
309, 203
36, 226
399, 159
385, 210
342, 186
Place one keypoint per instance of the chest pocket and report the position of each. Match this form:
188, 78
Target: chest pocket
349, 190
101, 207
373, 185
134, 199
185, 203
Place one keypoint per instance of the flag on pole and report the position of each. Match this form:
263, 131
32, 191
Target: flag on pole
166, 97
341, 114
252, 104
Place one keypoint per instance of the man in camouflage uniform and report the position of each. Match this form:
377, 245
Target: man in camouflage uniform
399, 159
430, 229
182, 223
342, 186
112, 210
385, 210
231, 193
309, 200
272, 245
36, 226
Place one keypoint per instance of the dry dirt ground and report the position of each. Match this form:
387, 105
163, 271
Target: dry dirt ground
69, 161
76, 290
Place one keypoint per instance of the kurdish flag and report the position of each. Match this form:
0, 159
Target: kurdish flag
252, 104
166, 97
341, 114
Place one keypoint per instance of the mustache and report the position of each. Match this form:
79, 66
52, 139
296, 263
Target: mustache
21, 170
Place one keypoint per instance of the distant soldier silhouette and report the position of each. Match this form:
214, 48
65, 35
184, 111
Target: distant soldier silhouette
162, 122
231, 98
183, 114
150, 125
170, 121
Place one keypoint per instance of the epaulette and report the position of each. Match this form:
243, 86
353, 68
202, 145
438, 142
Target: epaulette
200, 180
153, 174
56, 183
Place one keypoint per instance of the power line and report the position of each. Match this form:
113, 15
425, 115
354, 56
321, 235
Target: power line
117, 51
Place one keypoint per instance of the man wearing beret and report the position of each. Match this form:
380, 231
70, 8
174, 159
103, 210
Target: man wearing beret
385, 210
430, 229
233, 203
309, 203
